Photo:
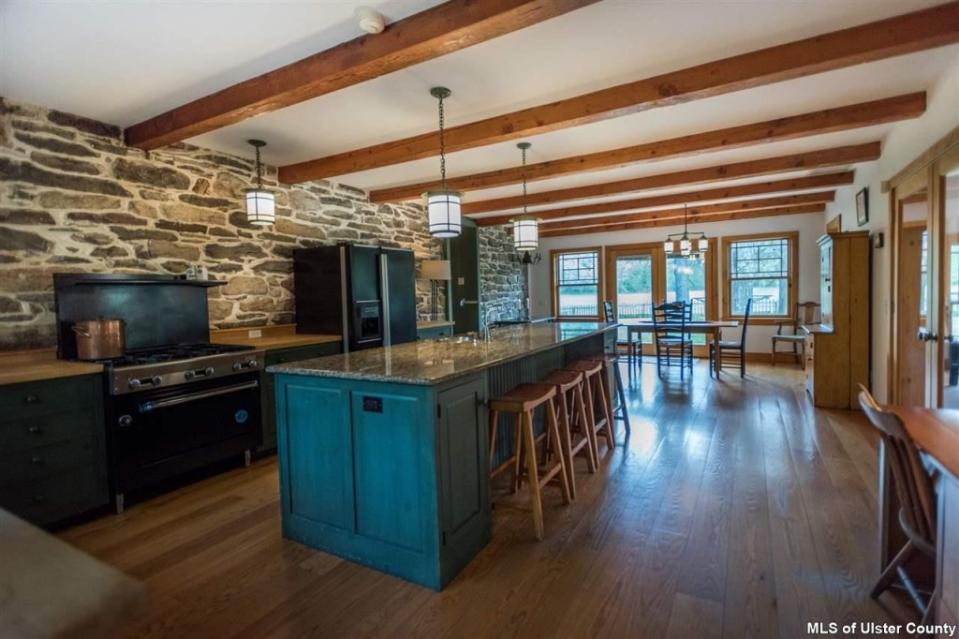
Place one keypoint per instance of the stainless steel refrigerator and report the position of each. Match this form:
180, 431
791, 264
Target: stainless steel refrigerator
367, 294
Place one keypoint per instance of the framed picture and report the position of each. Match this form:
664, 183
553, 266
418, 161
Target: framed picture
862, 206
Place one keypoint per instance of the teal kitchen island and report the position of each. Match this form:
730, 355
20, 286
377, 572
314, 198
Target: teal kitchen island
384, 453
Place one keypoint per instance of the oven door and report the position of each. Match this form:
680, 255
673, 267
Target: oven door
163, 433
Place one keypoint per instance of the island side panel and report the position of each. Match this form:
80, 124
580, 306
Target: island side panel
463, 433
358, 475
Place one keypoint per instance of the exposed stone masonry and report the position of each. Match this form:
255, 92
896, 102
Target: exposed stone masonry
73, 197
503, 279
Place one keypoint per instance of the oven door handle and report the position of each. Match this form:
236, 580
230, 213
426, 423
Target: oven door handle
147, 407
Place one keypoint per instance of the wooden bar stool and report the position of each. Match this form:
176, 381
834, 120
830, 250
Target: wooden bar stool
521, 402
619, 411
595, 393
569, 394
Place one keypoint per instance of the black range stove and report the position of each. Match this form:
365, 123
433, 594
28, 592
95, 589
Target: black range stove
174, 402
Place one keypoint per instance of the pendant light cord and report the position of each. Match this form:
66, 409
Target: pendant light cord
259, 175
442, 144
523, 150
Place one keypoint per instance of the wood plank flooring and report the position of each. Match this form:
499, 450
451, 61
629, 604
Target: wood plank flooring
735, 509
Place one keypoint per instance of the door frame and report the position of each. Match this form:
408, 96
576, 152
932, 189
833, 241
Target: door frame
655, 250
927, 169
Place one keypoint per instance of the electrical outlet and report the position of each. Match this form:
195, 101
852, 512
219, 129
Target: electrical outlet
253, 333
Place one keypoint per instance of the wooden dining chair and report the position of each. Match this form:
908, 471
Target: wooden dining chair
674, 346
806, 313
736, 348
914, 488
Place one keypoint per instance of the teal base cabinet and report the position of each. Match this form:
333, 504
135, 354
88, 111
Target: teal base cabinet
52, 450
389, 475
434, 332
267, 393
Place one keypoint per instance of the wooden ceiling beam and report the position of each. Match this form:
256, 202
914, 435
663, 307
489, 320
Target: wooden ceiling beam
852, 116
701, 219
721, 193
700, 209
838, 156
894, 36
432, 33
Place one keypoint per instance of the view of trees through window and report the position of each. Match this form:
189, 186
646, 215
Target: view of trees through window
759, 269
577, 284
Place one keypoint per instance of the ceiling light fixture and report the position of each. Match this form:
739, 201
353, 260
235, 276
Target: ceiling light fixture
686, 244
525, 226
443, 206
370, 21
260, 203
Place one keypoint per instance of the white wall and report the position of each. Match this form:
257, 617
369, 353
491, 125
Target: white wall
810, 226
906, 141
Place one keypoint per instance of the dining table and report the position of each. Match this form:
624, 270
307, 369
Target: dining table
711, 328
935, 433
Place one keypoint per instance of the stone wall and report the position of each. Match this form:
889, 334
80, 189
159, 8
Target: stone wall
503, 278
74, 198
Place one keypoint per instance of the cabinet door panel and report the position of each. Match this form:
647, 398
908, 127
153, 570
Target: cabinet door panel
318, 452
465, 458
390, 455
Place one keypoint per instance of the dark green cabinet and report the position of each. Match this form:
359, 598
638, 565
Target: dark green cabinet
282, 356
433, 332
52, 450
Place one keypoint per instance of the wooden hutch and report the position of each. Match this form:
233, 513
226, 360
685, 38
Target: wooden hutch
837, 350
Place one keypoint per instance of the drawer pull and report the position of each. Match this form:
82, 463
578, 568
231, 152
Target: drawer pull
39, 499
34, 430
31, 399
36, 460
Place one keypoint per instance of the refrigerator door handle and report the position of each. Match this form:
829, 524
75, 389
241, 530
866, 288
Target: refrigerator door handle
385, 297
344, 301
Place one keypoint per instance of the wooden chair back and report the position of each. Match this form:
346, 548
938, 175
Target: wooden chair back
807, 313
672, 313
609, 312
912, 483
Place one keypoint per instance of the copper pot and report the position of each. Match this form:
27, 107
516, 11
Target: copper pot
100, 339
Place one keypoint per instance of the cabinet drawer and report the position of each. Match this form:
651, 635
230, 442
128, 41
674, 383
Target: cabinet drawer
57, 497
39, 463
27, 434
33, 399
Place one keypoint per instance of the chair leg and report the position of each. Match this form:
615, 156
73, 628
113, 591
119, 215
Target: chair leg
493, 426
929, 614
603, 398
581, 412
565, 442
622, 398
518, 451
536, 499
892, 570
742, 361
552, 426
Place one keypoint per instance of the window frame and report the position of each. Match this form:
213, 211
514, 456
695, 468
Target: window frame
554, 256
792, 276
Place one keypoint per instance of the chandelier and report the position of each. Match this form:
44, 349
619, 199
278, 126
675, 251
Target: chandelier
686, 244
525, 226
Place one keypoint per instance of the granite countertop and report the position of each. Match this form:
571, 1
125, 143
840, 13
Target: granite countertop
40, 364
433, 361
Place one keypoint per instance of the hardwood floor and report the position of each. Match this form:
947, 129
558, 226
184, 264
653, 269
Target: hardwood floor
735, 509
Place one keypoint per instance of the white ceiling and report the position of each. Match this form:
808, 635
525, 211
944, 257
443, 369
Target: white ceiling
122, 62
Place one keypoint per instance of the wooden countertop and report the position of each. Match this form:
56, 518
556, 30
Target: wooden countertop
270, 337
935, 431
50, 589
433, 361
30, 366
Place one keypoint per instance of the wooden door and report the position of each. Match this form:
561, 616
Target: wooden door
911, 318
946, 247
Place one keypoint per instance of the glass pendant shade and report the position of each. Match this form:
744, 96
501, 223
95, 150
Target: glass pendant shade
685, 246
702, 245
668, 247
444, 212
525, 233
260, 207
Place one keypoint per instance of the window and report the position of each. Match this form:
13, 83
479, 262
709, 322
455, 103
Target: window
762, 268
576, 283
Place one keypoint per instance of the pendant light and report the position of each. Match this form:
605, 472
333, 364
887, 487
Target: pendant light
443, 206
686, 244
260, 203
526, 226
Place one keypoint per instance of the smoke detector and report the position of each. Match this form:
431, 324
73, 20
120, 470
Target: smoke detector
369, 20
